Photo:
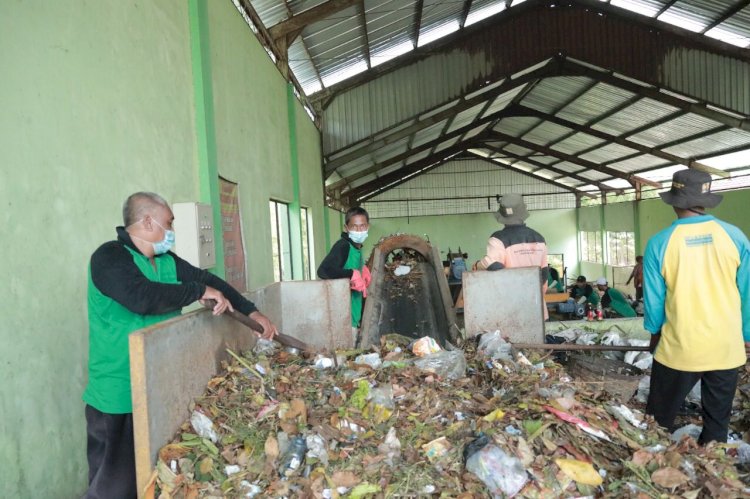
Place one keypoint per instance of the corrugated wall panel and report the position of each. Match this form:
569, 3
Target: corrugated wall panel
608, 41
723, 81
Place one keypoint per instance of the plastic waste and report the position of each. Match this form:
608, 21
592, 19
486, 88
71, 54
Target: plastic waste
644, 387
231, 469
624, 413
401, 270
691, 430
695, 393
249, 490
512, 430
503, 475
493, 346
371, 359
203, 426
436, 448
382, 395
264, 347
391, 448
446, 364
587, 338
743, 453
425, 346
322, 362
293, 458
316, 448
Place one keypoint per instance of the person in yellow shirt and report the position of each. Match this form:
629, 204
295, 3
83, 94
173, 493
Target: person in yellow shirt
697, 306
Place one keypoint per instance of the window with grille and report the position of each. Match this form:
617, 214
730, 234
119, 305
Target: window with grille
621, 248
281, 241
308, 257
591, 247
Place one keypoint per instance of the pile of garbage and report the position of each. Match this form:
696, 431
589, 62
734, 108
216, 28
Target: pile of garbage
410, 418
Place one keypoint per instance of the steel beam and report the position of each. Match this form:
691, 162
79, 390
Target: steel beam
309, 16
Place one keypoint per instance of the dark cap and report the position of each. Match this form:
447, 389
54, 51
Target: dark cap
691, 188
581, 279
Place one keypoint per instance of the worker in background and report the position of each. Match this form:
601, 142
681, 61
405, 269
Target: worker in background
554, 283
516, 245
345, 261
637, 277
613, 300
134, 282
582, 295
697, 298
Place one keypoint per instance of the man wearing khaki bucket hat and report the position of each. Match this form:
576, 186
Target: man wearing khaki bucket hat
697, 306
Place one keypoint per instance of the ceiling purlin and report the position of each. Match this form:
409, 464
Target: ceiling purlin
401, 175
572, 190
570, 158
665, 7
374, 145
418, 7
655, 94
654, 151
365, 36
531, 161
726, 15
295, 23
465, 12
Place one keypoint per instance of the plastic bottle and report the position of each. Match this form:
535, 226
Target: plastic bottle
599, 311
293, 457
589, 312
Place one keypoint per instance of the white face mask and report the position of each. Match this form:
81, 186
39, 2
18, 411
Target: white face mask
358, 237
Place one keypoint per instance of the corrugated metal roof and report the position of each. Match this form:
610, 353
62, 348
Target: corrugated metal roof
550, 93
640, 113
680, 127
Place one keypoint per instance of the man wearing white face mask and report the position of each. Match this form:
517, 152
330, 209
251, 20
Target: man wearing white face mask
135, 281
345, 260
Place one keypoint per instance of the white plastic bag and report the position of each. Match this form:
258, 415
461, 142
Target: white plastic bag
503, 475
493, 346
446, 364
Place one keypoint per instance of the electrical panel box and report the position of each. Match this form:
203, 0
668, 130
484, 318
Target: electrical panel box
194, 229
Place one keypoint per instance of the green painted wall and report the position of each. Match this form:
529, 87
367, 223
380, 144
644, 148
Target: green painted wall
471, 232
656, 215
99, 103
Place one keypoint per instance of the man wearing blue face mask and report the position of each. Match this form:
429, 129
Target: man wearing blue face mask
344, 261
134, 282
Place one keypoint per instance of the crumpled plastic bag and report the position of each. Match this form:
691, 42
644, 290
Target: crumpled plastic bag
203, 426
691, 430
391, 448
371, 359
316, 448
493, 346
503, 475
449, 364
644, 388
401, 270
425, 346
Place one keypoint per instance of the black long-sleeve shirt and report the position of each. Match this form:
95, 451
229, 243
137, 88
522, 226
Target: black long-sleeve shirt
332, 266
116, 275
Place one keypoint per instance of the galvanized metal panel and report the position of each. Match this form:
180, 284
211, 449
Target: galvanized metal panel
594, 103
662, 174
595, 175
545, 133
638, 163
502, 101
577, 142
639, 114
271, 12
303, 68
551, 93
737, 25
682, 126
389, 25
715, 143
569, 167
721, 80
466, 116
608, 153
427, 134
694, 15
516, 126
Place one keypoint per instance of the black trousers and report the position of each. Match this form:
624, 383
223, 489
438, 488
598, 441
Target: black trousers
111, 455
668, 390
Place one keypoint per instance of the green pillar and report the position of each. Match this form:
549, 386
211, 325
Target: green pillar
205, 130
602, 229
637, 227
295, 216
578, 235
327, 222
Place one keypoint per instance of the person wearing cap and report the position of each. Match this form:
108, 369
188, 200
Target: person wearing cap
614, 300
516, 245
583, 292
697, 306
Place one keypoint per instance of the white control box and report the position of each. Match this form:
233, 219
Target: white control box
194, 230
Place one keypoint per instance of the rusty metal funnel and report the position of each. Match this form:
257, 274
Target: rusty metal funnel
416, 304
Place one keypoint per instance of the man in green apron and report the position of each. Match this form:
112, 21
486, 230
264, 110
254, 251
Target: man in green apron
614, 300
135, 281
344, 261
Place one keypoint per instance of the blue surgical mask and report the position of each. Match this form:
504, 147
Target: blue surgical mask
166, 244
358, 237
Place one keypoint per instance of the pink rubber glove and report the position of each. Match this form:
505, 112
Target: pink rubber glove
366, 276
357, 283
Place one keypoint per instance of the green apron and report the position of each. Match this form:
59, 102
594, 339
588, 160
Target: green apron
354, 262
619, 304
